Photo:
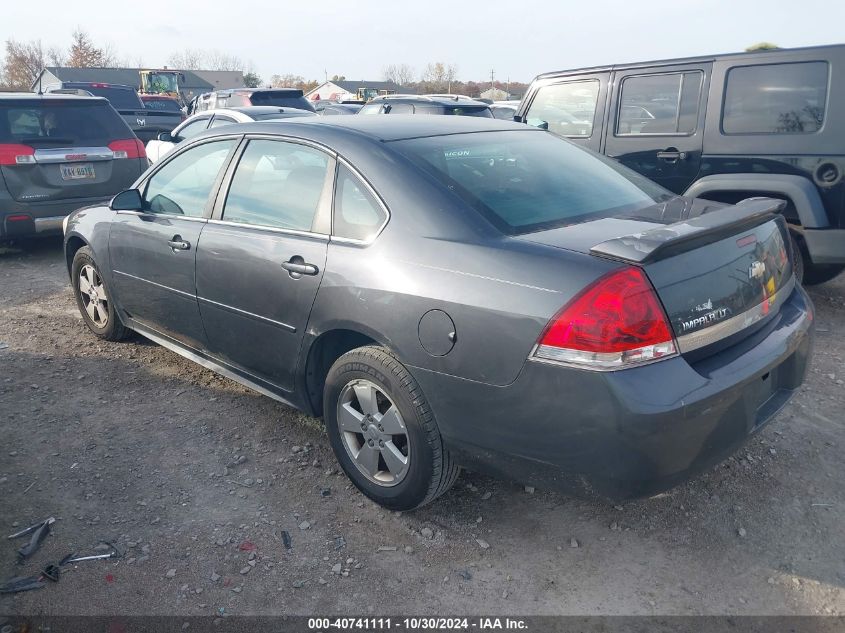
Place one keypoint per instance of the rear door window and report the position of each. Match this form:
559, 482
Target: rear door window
775, 98
277, 184
567, 108
193, 128
120, 98
659, 104
357, 214
50, 123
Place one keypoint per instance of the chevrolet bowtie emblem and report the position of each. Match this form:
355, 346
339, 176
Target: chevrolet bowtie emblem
756, 270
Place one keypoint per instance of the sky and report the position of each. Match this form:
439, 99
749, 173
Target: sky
358, 38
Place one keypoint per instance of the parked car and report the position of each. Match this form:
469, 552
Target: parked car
421, 104
504, 110
724, 127
144, 123
161, 103
334, 109
455, 291
58, 153
243, 97
198, 123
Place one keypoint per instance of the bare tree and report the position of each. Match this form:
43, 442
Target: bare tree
401, 74
286, 81
23, 63
223, 61
56, 56
84, 54
439, 77
188, 59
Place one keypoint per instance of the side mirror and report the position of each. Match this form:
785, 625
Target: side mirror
167, 137
518, 119
129, 200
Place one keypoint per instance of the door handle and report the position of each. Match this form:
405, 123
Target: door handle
297, 267
178, 244
671, 155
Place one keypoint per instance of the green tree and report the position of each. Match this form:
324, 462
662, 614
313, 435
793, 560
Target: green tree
252, 80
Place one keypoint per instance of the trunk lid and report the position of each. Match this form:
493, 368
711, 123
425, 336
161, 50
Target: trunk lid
717, 273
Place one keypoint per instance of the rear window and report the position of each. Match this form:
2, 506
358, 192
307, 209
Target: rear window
119, 98
775, 98
162, 105
524, 181
50, 123
282, 99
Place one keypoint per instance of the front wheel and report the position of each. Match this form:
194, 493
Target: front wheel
93, 297
383, 431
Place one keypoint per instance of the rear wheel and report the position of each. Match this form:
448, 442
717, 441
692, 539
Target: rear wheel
808, 273
93, 298
383, 431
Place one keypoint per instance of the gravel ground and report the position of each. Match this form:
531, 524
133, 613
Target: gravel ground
198, 480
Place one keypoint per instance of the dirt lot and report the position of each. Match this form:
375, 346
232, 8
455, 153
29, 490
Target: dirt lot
183, 469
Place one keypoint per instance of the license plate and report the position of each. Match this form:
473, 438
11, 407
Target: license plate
79, 171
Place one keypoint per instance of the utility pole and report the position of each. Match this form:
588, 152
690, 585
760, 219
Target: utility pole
492, 84
508, 88
326, 73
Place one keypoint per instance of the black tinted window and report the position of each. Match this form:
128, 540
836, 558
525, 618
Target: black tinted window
526, 181
357, 215
120, 98
659, 104
162, 105
277, 184
284, 100
193, 128
92, 124
775, 99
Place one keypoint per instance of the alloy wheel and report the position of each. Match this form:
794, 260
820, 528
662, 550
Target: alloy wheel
93, 295
373, 433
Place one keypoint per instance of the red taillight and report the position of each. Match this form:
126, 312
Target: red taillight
14, 154
18, 218
128, 148
615, 322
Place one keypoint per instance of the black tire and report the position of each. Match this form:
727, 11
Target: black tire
111, 329
806, 272
431, 470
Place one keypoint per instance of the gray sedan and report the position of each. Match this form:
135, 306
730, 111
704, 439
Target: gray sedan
456, 291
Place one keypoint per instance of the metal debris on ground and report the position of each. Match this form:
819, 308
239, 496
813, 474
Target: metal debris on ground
39, 532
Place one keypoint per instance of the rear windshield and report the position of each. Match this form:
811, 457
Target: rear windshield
279, 115
471, 111
60, 123
162, 105
524, 181
120, 98
281, 99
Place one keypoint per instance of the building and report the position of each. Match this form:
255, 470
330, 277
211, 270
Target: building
195, 82
495, 94
343, 90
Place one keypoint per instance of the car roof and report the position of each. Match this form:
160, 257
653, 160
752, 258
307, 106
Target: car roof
98, 84
750, 55
34, 96
378, 128
444, 100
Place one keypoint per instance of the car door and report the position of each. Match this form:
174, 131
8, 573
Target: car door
261, 258
571, 106
153, 252
656, 124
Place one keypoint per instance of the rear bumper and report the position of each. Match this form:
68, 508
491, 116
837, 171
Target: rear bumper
41, 218
826, 246
626, 433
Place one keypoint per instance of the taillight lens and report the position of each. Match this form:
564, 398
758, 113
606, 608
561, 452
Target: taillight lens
613, 323
128, 148
14, 154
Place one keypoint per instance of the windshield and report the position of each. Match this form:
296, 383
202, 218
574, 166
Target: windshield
163, 82
55, 123
524, 181
281, 99
162, 105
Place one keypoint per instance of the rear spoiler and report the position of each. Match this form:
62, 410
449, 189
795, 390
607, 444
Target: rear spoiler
663, 241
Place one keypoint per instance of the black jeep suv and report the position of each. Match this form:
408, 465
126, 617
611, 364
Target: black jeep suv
726, 127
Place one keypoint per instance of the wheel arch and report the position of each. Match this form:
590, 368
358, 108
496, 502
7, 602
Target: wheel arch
321, 353
799, 192
72, 245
